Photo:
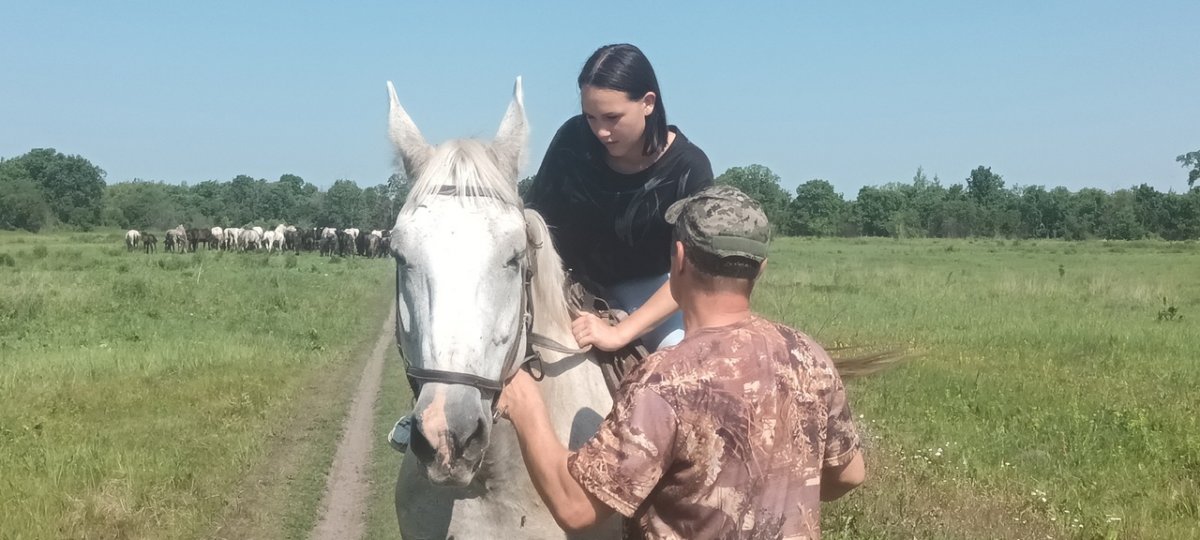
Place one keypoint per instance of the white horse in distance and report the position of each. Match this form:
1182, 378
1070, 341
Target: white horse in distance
132, 239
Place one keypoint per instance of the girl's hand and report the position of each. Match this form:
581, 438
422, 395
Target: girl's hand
592, 330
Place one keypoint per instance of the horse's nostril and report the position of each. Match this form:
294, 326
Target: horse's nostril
419, 444
476, 439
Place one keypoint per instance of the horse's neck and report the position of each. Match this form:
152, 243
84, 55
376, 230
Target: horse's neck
576, 401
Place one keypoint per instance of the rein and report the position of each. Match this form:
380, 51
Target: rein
522, 349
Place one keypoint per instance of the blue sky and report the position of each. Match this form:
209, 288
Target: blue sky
1079, 94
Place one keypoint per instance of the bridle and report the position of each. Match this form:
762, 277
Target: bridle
522, 353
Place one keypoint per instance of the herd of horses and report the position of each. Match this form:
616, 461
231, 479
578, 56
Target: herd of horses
329, 241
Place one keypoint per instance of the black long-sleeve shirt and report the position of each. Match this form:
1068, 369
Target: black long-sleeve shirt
607, 226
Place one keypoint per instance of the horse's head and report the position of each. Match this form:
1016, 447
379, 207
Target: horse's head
460, 247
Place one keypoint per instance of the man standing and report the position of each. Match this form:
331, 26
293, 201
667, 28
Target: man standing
740, 431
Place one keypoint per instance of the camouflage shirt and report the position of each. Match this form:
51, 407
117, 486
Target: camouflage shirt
723, 436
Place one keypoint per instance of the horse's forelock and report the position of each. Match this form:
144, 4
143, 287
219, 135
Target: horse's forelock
471, 168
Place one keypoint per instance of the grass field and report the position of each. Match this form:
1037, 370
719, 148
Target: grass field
140, 390
1053, 392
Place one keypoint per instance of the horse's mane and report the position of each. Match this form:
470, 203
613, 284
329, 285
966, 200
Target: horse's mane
469, 166
551, 307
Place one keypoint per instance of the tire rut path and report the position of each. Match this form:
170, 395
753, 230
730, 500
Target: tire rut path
344, 505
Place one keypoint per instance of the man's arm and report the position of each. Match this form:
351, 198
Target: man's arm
573, 508
841, 479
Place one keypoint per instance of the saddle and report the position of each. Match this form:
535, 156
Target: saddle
616, 364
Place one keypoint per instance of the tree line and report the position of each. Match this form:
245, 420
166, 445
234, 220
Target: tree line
979, 206
47, 188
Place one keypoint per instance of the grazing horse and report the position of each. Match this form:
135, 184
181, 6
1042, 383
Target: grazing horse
250, 239
291, 239
199, 236
279, 236
149, 242
132, 239
177, 240
309, 238
329, 241
217, 239
346, 243
362, 245
232, 234
374, 243
471, 266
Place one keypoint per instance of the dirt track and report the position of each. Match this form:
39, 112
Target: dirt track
343, 507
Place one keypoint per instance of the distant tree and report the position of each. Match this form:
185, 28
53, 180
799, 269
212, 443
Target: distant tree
817, 209
343, 205
144, 205
1149, 207
245, 202
22, 204
997, 208
762, 185
1087, 211
377, 208
1119, 220
292, 184
1191, 159
924, 198
1032, 206
877, 209
208, 197
398, 186
523, 185
72, 187
984, 186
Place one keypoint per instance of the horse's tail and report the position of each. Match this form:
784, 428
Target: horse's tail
851, 366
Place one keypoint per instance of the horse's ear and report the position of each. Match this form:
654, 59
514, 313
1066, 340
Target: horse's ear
509, 145
411, 148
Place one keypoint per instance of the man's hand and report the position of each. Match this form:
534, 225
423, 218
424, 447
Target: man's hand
573, 508
521, 398
592, 330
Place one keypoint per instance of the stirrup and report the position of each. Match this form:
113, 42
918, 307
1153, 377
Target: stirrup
399, 436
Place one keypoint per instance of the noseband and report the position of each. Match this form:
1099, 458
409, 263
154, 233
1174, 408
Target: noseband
522, 348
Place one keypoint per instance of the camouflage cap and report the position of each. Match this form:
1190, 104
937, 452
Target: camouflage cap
722, 221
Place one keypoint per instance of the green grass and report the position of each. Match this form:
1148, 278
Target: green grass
141, 394
1043, 402
1045, 398
138, 390
394, 401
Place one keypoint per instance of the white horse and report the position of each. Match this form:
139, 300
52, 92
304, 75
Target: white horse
177, 239
268, 238
250, 239
231, 238
218, 235
464, 249
279, 239
329, 241
132, 239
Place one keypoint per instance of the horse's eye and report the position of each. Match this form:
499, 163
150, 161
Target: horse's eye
515, 261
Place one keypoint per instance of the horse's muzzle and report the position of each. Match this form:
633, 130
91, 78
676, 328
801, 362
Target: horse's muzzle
450, 433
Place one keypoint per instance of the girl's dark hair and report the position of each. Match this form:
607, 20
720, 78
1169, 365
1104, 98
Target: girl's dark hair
624, 68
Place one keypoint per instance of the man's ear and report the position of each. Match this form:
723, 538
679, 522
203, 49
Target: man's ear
761, 268
677, 258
